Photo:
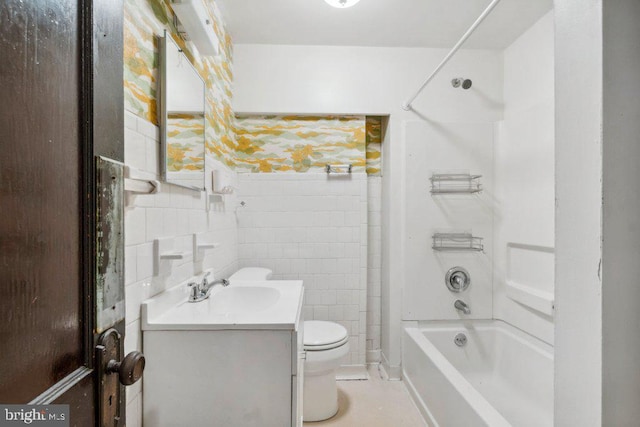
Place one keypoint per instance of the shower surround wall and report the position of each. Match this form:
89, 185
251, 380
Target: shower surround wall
433, 147
173, 211
524, 159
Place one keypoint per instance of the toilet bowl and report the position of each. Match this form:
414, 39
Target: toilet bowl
325, 345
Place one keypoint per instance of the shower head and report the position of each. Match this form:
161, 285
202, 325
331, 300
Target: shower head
461, 81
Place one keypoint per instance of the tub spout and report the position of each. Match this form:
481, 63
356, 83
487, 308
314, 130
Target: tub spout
462, 306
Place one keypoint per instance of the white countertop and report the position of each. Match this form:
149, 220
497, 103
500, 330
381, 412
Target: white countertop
170, 310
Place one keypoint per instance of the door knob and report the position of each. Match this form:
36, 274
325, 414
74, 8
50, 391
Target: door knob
109, 361
130, 369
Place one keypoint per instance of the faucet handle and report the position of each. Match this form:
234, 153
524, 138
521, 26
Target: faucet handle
205, 279
195, 290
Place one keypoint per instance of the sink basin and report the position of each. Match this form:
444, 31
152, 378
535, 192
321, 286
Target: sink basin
271, 304
244, 299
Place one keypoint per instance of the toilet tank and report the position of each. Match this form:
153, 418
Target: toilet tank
251, 274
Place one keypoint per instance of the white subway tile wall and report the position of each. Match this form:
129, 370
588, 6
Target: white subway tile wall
374, 266
172, 212
312, 227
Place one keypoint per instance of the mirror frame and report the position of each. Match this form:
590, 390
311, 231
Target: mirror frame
162, 112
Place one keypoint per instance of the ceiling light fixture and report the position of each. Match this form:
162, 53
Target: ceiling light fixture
342, 4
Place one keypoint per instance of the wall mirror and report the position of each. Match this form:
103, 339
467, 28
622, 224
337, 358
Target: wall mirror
181, 111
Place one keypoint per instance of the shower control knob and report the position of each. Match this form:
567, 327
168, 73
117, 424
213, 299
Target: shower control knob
457, 279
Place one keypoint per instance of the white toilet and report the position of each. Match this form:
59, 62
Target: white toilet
325, 345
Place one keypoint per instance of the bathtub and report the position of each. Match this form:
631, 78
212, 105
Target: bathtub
500, 377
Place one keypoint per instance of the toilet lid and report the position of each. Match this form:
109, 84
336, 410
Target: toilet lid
321, 335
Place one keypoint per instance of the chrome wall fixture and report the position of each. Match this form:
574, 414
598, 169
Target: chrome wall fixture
407, 105
457, 279
339, 169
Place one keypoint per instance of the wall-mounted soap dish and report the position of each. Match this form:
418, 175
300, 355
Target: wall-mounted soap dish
222, 182
201, 244
165, 252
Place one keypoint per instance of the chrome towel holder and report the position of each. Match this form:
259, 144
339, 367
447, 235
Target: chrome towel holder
339, 169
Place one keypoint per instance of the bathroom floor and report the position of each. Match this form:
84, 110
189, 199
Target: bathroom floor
373, 403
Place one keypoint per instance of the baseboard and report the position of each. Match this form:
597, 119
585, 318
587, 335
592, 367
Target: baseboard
391, 373
352, 372
374, 356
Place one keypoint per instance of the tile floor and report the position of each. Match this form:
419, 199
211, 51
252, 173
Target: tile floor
373, 403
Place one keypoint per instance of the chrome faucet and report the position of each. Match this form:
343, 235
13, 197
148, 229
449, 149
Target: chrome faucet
462, 306
201, 291
206, 286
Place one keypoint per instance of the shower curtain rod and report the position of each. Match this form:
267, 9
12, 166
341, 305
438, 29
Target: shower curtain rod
407, 105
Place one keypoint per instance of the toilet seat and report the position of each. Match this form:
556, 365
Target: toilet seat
320, 335
326, 346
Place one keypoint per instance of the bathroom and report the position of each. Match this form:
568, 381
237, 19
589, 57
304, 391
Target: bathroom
383, 213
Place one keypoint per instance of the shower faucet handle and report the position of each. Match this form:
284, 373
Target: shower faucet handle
457, 279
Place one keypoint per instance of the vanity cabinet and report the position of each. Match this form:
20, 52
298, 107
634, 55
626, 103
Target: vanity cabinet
223, 374
298, 376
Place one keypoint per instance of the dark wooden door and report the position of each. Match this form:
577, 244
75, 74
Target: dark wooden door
58, 97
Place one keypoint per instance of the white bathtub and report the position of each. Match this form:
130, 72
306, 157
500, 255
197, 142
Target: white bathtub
501, 377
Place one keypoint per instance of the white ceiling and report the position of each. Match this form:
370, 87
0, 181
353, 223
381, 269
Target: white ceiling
407, 23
